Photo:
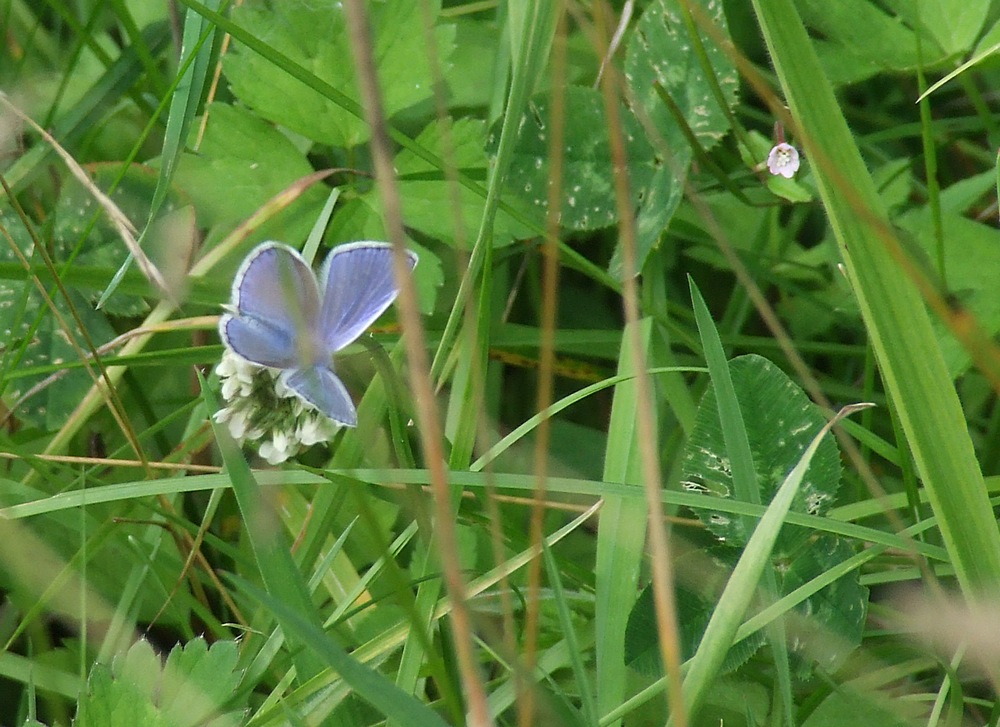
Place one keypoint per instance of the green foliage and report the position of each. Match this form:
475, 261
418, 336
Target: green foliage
195, 686
589, 199
663, 57
38, 337
127, 513
314, 35
256, 162
862, 38
780, 422
659, 58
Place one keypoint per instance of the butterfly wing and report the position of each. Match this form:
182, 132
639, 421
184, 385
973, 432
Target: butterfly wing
275, 308
358, 286
322, 388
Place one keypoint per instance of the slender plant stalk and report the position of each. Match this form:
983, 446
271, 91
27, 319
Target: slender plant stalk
419, 365
663, 581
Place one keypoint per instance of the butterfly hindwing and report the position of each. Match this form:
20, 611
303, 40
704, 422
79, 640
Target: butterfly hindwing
322, 388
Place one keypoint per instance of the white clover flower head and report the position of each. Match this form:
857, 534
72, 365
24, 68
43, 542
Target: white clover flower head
783, 160
261, 408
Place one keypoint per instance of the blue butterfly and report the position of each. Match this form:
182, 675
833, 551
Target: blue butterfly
282, 317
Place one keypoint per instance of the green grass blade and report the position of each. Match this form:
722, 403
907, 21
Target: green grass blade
587, 701
195, 70
745, 481
893, 310
278, 569
621, 535
368, 683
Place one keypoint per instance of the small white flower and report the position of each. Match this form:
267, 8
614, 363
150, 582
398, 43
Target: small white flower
227, 366
259, 407
783, 160
273, 456
230, 387
238, 425
315, 429
280, 448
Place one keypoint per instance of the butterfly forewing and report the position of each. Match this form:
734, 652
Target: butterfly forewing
276, 306
358, 286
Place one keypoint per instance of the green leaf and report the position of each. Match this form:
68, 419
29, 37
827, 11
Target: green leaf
896, 319
954, 24
742, 585
314, 35
780, 423
660, 54
428, 195
84, 234
836, 613
972, 257
848, 705
860, 38
193, 688
588, 196
34, 337
242, 162
642, 651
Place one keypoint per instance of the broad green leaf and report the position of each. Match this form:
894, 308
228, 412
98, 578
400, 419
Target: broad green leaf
195, 687
472, 74
34, 337
954, 24
660, 53
427, 194
314, 35
197, 679
836, 614
859, 38
780, 423
742, 585
850, 706
85, 235
241, 163
642, 651
588, 195
972, 257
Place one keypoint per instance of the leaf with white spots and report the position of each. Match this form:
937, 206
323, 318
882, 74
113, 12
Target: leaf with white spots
780, 422
588, 192
840, 607
35, 337
660, 52
84, 234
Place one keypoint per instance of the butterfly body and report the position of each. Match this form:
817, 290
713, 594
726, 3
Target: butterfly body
283, 317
